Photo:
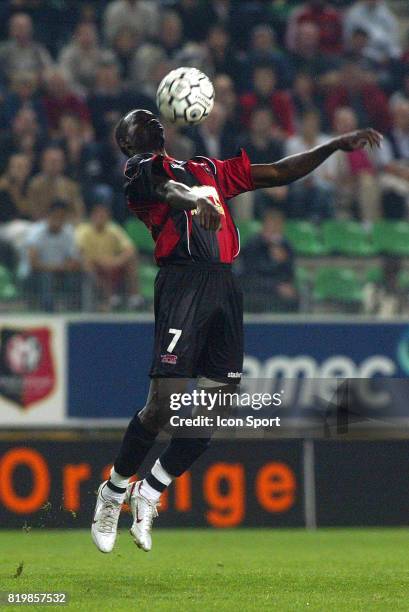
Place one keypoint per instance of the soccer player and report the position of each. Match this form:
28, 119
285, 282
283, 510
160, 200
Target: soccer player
198, 302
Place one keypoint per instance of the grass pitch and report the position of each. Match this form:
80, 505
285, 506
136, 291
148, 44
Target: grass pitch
188, 570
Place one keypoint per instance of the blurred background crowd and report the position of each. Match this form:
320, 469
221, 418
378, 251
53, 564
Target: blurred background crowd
287, 75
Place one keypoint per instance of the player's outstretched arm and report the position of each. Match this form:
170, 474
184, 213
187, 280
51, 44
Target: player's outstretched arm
292, 168
180, 196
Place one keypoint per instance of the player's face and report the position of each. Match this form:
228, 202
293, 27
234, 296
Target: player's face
145, 132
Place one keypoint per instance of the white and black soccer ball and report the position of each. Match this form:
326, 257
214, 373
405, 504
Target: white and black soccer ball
185, 96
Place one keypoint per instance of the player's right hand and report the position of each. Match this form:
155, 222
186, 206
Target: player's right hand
209, 216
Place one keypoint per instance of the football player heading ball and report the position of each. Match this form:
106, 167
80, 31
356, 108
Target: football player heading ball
198, 301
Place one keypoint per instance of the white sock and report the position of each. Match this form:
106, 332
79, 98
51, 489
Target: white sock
161, 474
118, 480
109, 494
149, 492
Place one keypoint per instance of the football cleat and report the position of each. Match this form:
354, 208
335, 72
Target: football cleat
105, 523
143, 512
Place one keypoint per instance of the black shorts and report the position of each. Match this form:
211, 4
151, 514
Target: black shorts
198, 323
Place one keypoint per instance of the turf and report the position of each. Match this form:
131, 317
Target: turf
189, 570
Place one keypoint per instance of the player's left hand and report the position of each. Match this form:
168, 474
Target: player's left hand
359, 139
209, 216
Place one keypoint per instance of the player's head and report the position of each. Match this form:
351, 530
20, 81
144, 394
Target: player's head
139, 132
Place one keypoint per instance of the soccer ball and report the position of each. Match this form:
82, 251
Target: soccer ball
185, 96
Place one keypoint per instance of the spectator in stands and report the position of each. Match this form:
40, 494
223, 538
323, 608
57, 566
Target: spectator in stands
263, 50
267, 268
171, 35
82, 56
384, 70
402, 94
212, 139
325, 17
21, 53
59, 100
393, 160
51, 184
23, 93
196, 18
226, 95
109, 256
113, 162
305, 95
307, 56
379, 22
83, 155
357, 47
312, 196
124, 46
110, 99
261, 144
13, 189
140, 15
266, 94
23, 137
150, 55
222, 57
354, 175
357, 91
405, 52
53, 256
14, 223
148, 65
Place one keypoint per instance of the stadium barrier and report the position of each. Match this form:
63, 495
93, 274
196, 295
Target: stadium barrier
52, 483
74, 371
82, 378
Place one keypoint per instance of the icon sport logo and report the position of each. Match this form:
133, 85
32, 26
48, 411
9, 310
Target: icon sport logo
27, 370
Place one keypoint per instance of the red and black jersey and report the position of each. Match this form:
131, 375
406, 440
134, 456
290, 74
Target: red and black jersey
178, 234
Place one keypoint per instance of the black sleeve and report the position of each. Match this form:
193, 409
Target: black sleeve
140, 172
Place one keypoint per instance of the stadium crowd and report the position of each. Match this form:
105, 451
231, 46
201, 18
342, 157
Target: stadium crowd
287, 75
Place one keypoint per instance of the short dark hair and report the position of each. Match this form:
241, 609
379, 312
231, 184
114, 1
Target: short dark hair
101, 204
58, 205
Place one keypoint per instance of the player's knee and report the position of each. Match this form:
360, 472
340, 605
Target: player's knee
182, 453
153, 417
224, 396
156, 413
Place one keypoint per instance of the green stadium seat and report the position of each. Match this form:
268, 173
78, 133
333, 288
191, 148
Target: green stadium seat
347, 238
5, 277
392, 237
305, 238
147, 275
8, 292
247, 229
374, 274
337, 284
302, 277
403, 280
140, 235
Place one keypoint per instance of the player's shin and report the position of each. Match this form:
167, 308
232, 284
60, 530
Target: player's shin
136, 443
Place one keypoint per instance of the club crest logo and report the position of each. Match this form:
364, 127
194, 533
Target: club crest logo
27, 371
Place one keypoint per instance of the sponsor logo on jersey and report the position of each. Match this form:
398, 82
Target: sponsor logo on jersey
234, 375
171, 359
27, 372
